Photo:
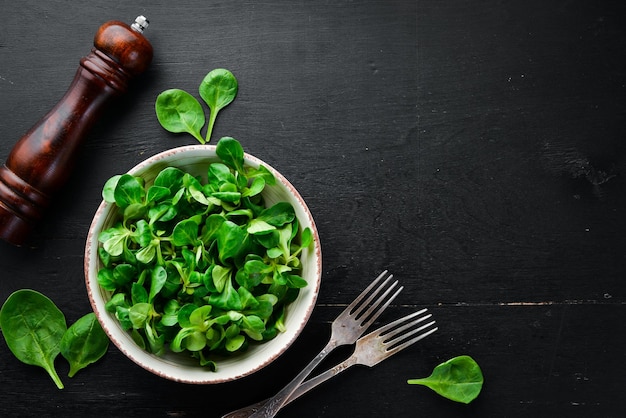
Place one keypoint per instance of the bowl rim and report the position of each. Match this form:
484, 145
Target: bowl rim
162, 366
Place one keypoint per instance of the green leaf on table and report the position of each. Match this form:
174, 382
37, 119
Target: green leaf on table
458, 379
178, 112
218, 89
84, 343
33, 327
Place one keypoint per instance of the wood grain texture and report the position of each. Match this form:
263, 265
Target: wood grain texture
474, 150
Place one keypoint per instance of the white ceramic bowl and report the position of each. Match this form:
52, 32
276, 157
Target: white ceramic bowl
195, 160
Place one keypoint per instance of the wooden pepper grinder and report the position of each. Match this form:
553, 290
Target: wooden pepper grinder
41, 161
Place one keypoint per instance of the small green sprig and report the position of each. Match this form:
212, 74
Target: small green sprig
179, 112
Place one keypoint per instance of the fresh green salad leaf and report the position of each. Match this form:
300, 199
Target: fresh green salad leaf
459, 379
84, 343
178, 111
33, 327
218, 90
201, 265
230, 154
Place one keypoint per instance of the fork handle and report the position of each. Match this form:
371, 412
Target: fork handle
275, 403
249, 410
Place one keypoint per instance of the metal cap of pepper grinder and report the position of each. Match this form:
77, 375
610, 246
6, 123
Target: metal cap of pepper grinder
140, 24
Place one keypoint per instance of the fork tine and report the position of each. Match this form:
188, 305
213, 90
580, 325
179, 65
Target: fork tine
383, 330
377, 309
352, 308
357, 307
399, 330
400, 342
408, 343
394, 335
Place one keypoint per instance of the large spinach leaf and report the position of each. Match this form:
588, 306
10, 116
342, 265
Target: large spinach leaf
33, 328
459, 379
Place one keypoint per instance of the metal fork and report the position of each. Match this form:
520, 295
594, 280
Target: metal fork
346, 329
370, 350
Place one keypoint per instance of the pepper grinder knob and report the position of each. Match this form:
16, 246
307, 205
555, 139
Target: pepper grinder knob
140, 24
42, 160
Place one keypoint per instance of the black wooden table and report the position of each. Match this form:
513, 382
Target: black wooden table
474, 149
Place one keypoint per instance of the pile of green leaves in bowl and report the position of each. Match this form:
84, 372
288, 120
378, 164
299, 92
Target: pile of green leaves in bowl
199, 264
